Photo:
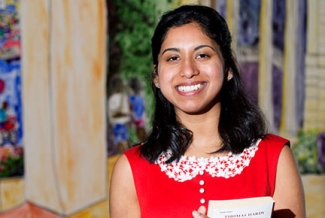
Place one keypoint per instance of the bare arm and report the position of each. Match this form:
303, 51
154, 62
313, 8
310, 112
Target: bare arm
289, 194
123, 201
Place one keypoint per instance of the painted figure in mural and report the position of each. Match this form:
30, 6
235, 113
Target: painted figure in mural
137, 102
208, 140
119, 114
8, 125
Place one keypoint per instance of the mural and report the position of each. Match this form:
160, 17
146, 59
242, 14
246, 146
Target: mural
249, 22
221, 7
278, 23
11, 150
129, 57
310, 152
301, 40
278, 26
248, 37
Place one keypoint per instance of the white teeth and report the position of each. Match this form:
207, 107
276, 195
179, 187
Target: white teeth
189, 88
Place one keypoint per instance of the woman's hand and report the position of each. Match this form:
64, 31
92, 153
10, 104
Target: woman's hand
200, 213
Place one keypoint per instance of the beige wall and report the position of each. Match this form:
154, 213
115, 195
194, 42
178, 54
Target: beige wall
64, 59
315, 67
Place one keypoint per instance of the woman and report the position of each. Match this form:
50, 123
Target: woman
208, 141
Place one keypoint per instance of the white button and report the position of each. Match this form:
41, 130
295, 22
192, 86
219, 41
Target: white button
201, 182
202, 201
201, 190
201, 172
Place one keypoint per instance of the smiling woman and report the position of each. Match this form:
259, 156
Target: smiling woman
190, 71
208, 141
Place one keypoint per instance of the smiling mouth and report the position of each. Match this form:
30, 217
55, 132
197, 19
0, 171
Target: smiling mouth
190, 88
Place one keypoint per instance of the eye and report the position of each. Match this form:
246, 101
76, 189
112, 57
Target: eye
202, 56
173, 58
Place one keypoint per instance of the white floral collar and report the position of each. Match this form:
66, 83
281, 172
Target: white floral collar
188, 168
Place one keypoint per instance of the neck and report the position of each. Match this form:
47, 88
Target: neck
206, 137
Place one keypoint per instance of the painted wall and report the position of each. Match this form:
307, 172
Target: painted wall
63, 94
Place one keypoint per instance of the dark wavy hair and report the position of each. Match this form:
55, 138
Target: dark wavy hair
241, 122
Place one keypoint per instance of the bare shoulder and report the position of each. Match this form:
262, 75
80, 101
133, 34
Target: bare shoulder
289, 193
121, 164
122, 194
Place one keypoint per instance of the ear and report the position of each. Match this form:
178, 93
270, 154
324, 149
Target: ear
229, 75
155, 76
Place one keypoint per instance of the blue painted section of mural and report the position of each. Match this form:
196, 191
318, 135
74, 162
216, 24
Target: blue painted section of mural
10, 75
249, 71
278, 26
277, 79
248, 37
221, 7
249, 15
11, 122
278, 23
11, 107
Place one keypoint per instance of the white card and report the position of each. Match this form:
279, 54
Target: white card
259, 207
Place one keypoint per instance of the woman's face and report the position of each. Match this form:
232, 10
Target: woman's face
190, 70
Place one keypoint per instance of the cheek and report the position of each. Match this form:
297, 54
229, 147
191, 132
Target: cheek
165, 83
216, 73
165, 76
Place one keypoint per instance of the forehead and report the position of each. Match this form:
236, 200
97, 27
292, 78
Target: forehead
187, 33
185, 28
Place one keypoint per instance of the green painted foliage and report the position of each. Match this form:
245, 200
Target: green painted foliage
11, 161
130, 41
134, 30
306, 153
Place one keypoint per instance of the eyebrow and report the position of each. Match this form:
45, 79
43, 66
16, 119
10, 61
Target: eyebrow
170, 49
195, 49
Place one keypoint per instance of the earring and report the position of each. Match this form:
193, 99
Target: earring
157, 85
229, 75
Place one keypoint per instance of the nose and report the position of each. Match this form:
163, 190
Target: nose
188, 69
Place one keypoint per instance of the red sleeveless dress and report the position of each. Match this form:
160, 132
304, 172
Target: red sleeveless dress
176, 189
